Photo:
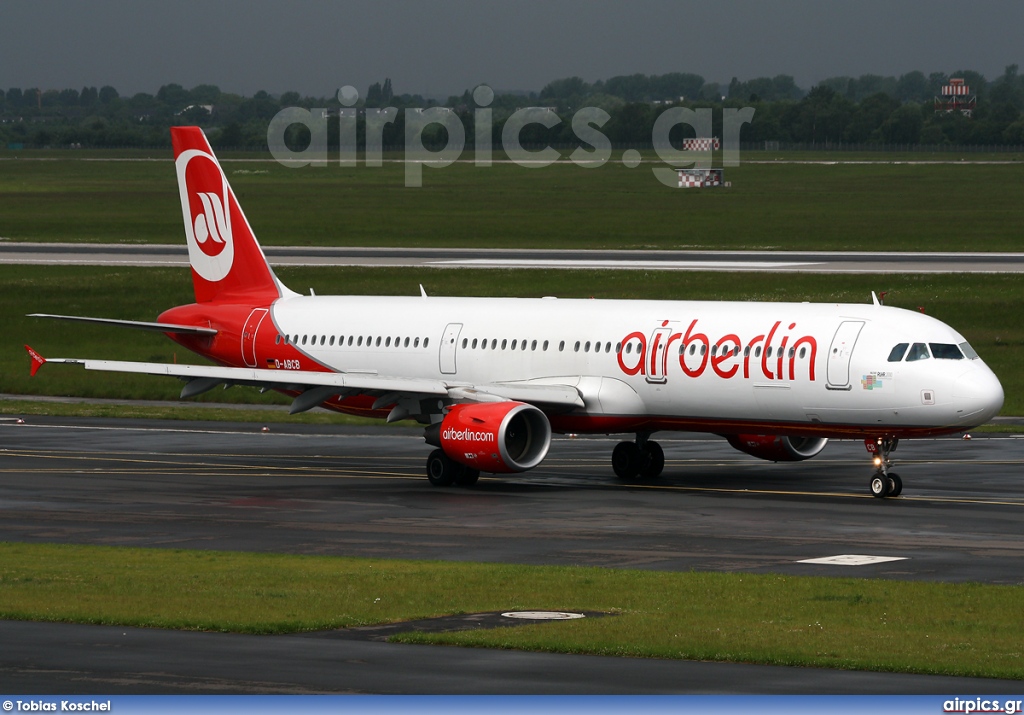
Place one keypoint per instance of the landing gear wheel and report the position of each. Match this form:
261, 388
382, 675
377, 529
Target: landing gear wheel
467, 477
654, 460
879, 486
895, 485
441, 469
627, 460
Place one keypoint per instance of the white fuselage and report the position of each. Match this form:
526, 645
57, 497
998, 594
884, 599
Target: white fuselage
795, 368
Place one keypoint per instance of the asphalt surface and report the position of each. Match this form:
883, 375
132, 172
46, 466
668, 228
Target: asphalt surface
774, 261
361, 491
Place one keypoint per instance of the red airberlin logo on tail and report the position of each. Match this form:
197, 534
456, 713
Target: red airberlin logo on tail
210, 226
206, 209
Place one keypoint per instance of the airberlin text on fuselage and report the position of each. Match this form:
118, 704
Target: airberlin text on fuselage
728, 357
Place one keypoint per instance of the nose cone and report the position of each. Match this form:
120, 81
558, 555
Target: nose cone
978, 395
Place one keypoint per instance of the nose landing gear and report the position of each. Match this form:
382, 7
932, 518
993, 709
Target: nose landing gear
884, 483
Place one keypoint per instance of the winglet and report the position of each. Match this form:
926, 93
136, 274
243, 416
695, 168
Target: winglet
37, 361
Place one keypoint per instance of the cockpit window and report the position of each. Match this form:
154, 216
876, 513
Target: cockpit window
898, 352
946, 351
918, 351
969, 352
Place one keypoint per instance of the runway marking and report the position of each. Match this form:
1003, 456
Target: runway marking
852, 560
679, 265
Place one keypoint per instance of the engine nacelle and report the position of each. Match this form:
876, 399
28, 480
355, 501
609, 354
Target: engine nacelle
777, 449
494, 436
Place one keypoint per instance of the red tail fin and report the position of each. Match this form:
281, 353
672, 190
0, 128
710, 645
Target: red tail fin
37, 361
227, 262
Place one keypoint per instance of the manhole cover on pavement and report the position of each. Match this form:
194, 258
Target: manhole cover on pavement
543, 615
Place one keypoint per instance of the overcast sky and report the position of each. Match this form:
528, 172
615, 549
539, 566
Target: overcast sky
446, 46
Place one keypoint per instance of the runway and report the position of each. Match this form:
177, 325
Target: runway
361, 492
773, 261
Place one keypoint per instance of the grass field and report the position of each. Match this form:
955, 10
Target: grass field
956, 629
985, 308
870, 207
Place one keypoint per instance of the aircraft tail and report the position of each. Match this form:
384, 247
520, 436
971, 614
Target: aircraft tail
228, 264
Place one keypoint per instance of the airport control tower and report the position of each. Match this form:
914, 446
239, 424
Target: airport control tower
956, 97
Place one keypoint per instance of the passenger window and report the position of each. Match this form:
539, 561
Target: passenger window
426, 341
474, 343
969, 351
533, 345
577, 348
898, 352
387, 343
746, 351
561, 346
465, 341
757, 351
406, 343
918, 351
360, 343
494, 344
522, 345
504, 343
350, 341
304, 339
586, 348
514, 343
945, 351
618, 348
803, 352
416, 343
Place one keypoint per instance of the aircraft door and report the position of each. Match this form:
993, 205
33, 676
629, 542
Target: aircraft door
252, 326
656, 370
449, 346
840, 352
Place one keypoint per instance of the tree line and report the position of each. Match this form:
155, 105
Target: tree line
839, 110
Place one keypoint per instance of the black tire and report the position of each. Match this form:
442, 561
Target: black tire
627, 460
441, 470
654, 460
466, 477
879, 486
895, 484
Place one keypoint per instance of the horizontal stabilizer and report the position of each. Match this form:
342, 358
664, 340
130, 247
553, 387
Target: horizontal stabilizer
137, 324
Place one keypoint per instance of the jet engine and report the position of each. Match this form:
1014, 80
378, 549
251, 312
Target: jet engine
493, 436
777, 449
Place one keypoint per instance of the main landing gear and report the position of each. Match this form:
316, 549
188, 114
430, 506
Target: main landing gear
642, 459
443, 471
884, 483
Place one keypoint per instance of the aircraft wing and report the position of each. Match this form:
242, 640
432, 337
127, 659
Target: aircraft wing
316, 387
137, 324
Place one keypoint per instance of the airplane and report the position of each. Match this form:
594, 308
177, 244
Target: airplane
491, 379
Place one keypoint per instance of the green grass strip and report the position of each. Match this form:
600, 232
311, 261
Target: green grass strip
949, 628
